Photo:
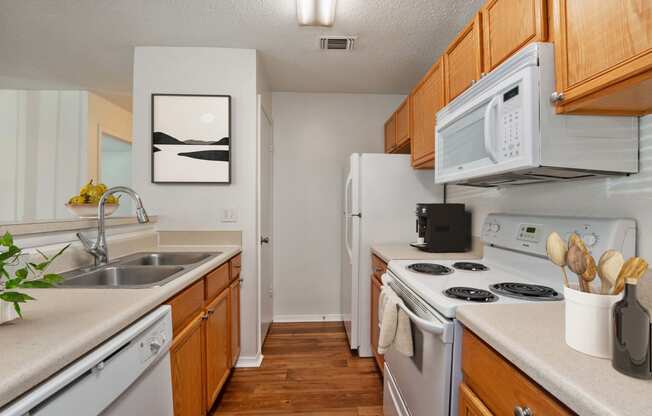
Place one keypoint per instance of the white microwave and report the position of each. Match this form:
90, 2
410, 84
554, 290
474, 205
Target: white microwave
504, 131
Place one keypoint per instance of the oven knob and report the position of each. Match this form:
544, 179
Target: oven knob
494, 228
590, 239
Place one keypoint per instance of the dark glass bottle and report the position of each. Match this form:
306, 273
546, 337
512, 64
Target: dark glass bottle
631, 352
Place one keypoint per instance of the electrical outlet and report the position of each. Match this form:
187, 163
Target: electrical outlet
229, 215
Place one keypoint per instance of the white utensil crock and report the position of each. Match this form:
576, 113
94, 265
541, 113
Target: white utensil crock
7, 312
589, 321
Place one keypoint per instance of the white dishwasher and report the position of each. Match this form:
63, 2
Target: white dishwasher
127, 375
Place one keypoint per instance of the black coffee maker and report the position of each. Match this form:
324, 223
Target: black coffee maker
443, 228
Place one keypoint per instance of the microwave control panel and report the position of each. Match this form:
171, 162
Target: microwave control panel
510, 145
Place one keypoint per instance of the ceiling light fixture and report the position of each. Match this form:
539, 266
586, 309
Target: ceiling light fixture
316, 12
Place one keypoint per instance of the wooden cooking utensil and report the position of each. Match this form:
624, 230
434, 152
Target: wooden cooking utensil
633, 269
576, 240
577, 263
556, 250
589, 274
609, 267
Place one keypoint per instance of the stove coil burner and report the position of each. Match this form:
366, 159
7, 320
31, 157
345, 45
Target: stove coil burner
430, 268
470, 266
526, 291
471, 294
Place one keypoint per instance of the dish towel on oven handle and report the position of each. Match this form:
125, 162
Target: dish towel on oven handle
395, 327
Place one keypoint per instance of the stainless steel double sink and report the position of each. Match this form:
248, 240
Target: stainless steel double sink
139, 270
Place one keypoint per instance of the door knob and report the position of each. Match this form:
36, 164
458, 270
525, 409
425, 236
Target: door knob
264, 240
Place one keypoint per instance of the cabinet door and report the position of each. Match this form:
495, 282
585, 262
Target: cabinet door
403, 123
463, 60
186, 360
218, 358
234, 318
427, 98
508, 25
603, 55
470, 404
375, 293
390, 134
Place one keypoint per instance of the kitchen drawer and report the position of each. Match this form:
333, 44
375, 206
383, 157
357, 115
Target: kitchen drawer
235, 265
186, 305
482, 367
378, 266
216, 281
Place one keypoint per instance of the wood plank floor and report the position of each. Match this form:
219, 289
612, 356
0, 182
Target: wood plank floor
308, 369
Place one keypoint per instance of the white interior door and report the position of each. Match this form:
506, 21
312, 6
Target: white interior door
266, 240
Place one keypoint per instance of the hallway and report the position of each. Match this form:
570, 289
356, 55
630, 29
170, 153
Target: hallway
308, 370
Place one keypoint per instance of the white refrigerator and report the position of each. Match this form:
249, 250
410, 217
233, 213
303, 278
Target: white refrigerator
380, 197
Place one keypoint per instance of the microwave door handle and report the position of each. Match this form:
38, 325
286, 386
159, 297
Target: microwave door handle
489, 129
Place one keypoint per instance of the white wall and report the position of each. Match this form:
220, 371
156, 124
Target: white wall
199, 207
620, 197
42, 143
313, 136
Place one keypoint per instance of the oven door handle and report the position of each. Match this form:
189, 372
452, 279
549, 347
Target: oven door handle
425, 325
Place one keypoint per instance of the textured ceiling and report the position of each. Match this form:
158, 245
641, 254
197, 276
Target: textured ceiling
89, 43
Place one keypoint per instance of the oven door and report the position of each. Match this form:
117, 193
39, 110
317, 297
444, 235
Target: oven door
421, 382
493, 131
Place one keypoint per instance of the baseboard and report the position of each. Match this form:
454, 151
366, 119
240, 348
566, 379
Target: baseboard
246, 362
308, 318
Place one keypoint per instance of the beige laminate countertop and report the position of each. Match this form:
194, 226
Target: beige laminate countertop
531, 336
404, 251
64, 324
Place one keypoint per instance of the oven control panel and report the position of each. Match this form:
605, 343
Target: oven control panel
527, 233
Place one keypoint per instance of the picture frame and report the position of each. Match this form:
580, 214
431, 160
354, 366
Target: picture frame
191, 139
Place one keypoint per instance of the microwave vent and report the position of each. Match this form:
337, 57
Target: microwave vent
342, 43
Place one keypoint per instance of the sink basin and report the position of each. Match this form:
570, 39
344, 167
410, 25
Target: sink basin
165, 259
120, 276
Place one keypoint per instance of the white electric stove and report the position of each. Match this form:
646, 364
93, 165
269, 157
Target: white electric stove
513, 269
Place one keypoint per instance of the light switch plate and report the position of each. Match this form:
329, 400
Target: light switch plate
229, 215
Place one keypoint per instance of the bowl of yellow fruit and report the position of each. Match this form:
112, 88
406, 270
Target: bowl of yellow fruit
85, 204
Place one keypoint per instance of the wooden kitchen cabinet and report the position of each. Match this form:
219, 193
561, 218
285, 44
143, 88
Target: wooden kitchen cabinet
603, 56
218, 344
482, 366
463, 59
427, 98
470, 404
508, 25
186, 362
390, 134
234, 320
375, 293
403, 123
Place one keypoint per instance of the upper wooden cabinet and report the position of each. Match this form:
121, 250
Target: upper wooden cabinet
508, 25
463, 59
427, 98
390, 134
603, 55
403, 123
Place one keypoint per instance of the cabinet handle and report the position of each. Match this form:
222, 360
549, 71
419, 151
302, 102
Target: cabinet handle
556, 97
210, 311
523, 411
204, 317
241, 280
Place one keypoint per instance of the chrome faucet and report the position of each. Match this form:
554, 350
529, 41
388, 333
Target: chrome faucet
98, 249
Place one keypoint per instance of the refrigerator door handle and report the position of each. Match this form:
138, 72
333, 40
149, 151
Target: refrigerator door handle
347, 228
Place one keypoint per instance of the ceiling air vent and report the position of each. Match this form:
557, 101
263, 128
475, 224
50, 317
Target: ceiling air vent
343, 43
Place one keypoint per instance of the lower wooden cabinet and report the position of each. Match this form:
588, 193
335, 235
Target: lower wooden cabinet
186, 361
234, 318
516, 393
470, 404
375, 293
206, 345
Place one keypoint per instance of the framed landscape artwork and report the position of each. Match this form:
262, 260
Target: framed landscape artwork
191, 138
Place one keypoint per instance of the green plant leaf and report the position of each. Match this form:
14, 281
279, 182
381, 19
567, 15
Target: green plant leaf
15, 297
7, 240
52, 278
35, 284
21, 273
12, 251
42, 266
17, 309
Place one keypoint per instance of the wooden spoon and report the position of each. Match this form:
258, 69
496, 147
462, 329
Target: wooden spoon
577, 263
609, 267
556, 250
589, 274
576, 240
633, 269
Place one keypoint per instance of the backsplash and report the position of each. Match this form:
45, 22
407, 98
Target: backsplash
611, 197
